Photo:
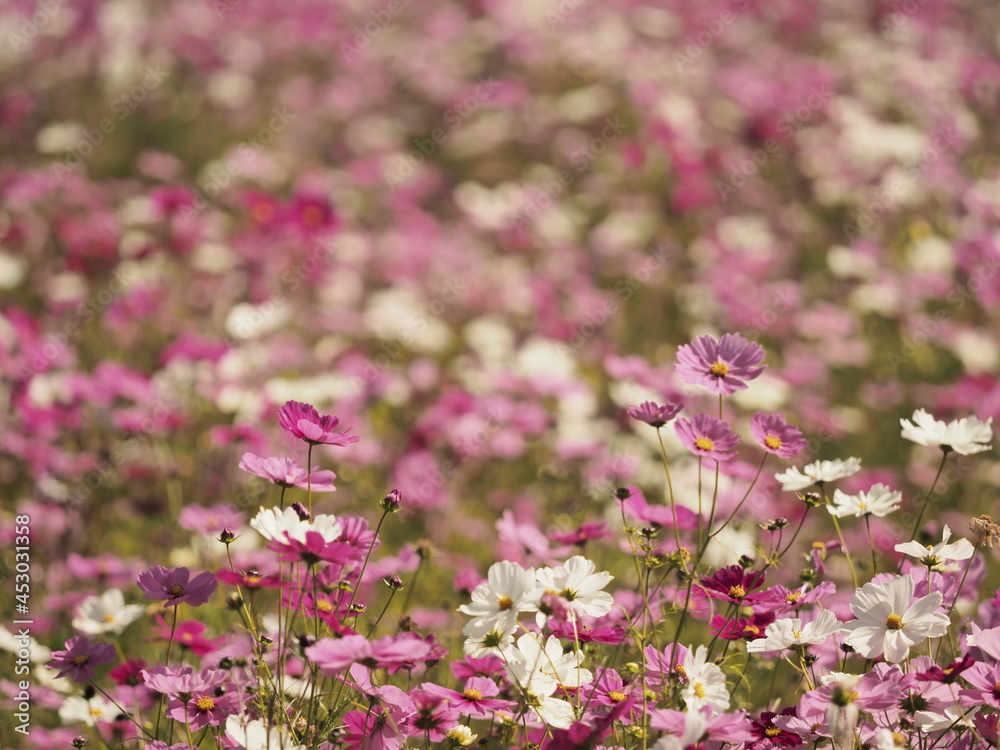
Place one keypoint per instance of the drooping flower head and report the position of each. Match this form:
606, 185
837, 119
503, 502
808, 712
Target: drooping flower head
304, 422
965, 436
284, 472
776, 436
80, 657
654, 414
176, 586
722, 366
936, 556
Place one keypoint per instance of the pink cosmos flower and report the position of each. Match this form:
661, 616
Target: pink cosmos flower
304, 422
636, 506
653, 414
433, 715
176, 586
80, 658
732, 584
284, 472
312, 550
707, 437
203, 709
776, 436
721, 366
251, 579
189, 634
476, 699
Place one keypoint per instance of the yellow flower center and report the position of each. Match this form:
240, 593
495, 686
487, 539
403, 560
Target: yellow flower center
796, 634
98, 712
772, 732
616, 697
699, 690
176, 590
324, 606
772, 442
679, 669
504, 603
793, 598
899, 739
253, 580
719, 369
204, 704
704, 444
751, 630
472, 694
818, 545
80, 659
108, 618
737, 592
894, 622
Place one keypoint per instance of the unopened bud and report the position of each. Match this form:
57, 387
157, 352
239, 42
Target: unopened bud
391, 502
301, 511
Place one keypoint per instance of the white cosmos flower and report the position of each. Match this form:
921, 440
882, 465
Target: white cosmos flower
964, 436
934, 557
793, 480
706, 683
275, 523
482, 638
879, 501
76, 709
889, 624
577, 583
509, 589
539, 669
107, 613
787, 632
256, 735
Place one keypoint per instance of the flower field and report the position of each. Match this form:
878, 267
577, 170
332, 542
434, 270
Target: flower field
502, 374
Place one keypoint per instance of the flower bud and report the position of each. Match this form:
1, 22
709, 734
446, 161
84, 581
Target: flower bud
391, 502
301, 511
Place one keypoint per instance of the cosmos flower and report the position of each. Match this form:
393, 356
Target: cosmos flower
889, 622
818, 472
879, 501
776, 436
304, 422
255, 734
731, 584
509, 590
722, 366
80, 657
106, 613
965, 436
706, 683
653, 414
284, 472
275, 523
789, 632
707, 437
577, 583
935, 557
175, 586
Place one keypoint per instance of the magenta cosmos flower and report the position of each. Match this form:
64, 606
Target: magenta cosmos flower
653, 414
176, 586
721, 366
284, 472
707, 437
776, 436
80, 657
303, 421
732, 584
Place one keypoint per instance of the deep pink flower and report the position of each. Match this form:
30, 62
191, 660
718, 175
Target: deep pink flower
577, 632
304, 422
433, 715
653, 414
190, 635
484, 666
128, 672
312, 550
731, 584
764, 729
203, 709
721, 366
636, 506
582, 535
610, 690
476, 698
776, 436
284, 472
376, 729
80, 657
749, 628
176, 586
707, 437
947, 674
311, 213
251, 579
392, 652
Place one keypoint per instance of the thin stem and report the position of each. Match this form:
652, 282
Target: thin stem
945, 450
309, 486
847, 553
361, 575
742, 500
871, 543
413, 586
796, 534
392, 593
670, 487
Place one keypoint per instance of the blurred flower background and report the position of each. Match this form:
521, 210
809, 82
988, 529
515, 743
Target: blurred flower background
476, 232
